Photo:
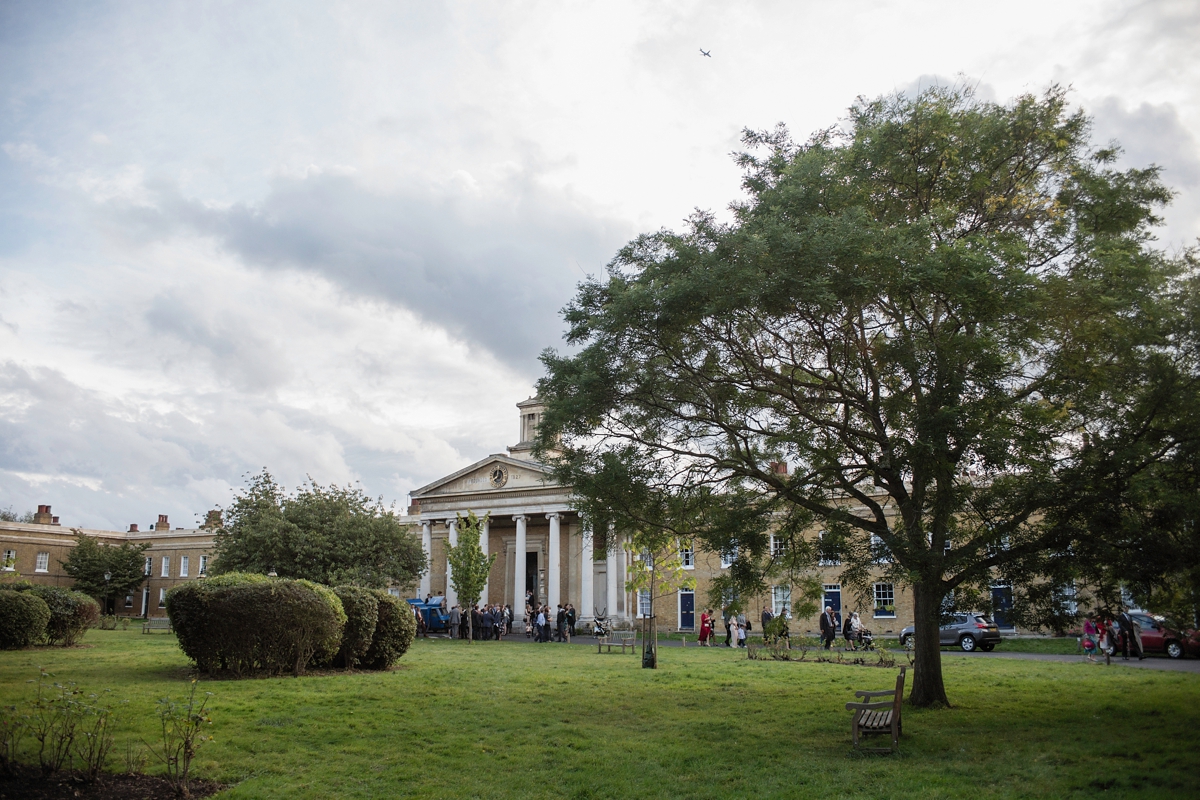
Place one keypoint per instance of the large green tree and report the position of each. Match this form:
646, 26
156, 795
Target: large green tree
90, 561
918, 312
328, 534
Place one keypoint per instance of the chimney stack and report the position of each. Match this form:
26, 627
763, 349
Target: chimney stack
43, 516
133, 527
162, 525
213, 519
779, 467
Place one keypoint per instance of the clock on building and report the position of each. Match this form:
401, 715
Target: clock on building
498, 476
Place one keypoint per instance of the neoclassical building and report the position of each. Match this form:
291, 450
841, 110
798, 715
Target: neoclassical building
545, 547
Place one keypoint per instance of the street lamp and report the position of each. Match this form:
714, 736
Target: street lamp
107, 593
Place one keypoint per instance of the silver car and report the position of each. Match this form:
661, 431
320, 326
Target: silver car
970, 631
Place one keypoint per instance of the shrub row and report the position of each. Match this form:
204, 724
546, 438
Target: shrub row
243, 623
68, 615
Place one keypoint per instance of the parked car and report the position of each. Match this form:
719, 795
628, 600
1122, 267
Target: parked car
1157, 637
969, 631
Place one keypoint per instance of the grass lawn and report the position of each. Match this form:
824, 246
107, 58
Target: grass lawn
520, 720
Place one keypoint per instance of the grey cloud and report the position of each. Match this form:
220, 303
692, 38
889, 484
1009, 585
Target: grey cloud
1150, 134
238, 355
120, 462
914, 87
493, 266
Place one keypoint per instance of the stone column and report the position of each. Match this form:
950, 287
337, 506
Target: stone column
427, 546
611, 573
451, 541
587, 602
485, 526
519, 575
553, 593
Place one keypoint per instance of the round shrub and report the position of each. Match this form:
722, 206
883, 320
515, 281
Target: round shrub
362, 615
71, 614
201, 634
394, 632
23, 619
246, 623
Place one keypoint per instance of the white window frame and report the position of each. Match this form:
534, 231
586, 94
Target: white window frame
825, 562
781, 600
394, 591
10, 560
728, 557
183, 566
884, 592
203, 566
43, 562
687, 553
129, 601
166, 567
149, 566
162, 597
643, 603
778, 546
878, 547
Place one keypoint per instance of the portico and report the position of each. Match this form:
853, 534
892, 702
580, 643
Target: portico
544, 547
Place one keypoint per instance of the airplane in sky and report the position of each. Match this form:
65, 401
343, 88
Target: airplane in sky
705, 53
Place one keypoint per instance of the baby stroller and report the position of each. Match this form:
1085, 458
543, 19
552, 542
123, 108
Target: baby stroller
866, 640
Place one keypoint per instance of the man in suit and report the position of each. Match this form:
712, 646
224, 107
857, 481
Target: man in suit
1129, 637
455, 621
829, 627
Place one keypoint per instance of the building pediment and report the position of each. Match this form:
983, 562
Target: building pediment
496, 473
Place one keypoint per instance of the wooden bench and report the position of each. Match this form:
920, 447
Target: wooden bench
878, 718
621, 639
156, 624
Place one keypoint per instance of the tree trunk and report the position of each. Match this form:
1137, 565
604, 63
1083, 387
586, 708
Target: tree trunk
928, 688
470, 627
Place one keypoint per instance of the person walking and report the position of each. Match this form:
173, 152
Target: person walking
735, 632
730, 621
572, 618
829, 627
540, 622
767, 616
1090, 637
848, 632
856, 629
560, 624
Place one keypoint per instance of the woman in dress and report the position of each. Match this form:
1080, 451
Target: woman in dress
856, 628
704, 629
1090, 635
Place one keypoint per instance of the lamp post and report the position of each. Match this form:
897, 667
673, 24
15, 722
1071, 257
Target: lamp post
107, 593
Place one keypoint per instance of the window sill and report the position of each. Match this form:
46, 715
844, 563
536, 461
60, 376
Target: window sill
886, 615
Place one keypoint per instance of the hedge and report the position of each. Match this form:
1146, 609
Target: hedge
23, 619
394, 632
362, 616
245, 623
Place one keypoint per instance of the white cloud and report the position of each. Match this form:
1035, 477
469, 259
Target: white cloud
332, 238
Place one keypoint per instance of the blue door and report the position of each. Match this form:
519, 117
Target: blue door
687, 610
833, 599
1001, 602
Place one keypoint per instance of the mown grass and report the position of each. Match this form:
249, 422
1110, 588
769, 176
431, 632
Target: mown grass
521, 720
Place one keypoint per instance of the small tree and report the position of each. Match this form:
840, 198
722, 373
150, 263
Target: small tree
89, 562
469, 567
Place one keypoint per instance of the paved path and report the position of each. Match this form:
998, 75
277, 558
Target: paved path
1150, 662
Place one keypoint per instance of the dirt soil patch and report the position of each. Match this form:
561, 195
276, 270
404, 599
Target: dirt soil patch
28, 783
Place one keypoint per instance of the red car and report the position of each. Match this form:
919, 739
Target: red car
1158, 638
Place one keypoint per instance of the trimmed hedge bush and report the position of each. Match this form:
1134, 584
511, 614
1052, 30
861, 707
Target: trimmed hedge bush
362, 616
394, 632
245, 623
71, 614
23, 619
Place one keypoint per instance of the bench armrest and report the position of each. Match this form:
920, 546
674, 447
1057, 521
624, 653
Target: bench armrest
867, 706
888, 693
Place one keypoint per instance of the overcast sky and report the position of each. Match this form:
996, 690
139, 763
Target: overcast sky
331, 239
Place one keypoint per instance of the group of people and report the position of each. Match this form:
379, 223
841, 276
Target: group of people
736, 627
1100, 633
489, 622
851, 629
540, 620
